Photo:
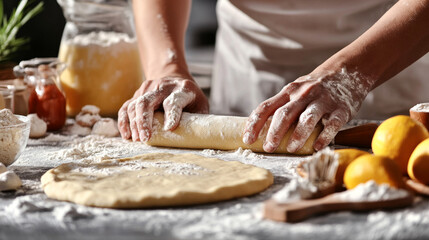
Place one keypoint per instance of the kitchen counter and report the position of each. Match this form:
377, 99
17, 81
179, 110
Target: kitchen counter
29, 214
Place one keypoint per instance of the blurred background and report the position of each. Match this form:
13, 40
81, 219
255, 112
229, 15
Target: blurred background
45, 30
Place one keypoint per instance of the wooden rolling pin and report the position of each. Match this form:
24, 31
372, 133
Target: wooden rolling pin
299, 211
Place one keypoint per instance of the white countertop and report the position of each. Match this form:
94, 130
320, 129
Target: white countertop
28, 214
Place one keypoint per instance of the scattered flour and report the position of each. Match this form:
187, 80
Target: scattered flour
247, 153
295, 190
118, 167
94, 148
371, 191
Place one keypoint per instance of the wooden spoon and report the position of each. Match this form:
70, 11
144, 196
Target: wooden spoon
299, 211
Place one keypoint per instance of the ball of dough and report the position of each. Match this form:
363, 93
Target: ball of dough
106, 127
92, 109
77, 129
88, 116
38, 126
9, 181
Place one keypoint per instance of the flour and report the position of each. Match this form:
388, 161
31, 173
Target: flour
421, 107
103, 39
110, 168
176, 101
171, 55
157, 130
371, 191
252, 120
297, 189
13, 134
94, 148
247, 153
321, 168
7, 118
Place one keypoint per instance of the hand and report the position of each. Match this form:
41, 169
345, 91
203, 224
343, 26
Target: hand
174, 93
334, 97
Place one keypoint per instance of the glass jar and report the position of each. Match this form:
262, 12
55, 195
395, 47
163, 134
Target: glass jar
46, 98
100, 49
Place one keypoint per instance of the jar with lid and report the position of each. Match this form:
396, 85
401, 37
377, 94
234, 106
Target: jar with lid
46, 98
100, 49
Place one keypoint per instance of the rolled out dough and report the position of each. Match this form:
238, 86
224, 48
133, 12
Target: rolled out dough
203, 131
154, 180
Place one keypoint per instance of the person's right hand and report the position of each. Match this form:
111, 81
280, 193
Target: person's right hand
174, 93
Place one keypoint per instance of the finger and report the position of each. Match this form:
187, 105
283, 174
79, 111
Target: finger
123, 121
306, 124
335, 121
257, 119
132, 118
173, 107
145, 108
282, 120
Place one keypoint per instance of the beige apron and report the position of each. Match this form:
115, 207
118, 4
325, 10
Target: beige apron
263, 45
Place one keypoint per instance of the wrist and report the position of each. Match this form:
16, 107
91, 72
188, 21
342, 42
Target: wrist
168, 70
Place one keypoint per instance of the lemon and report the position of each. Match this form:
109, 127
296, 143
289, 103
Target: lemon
396, 139
418, 165
345, 157
370, 167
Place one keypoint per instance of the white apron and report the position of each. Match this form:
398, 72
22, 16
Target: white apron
263, 45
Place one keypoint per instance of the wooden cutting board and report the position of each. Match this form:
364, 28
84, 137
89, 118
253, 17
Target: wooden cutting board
299, 211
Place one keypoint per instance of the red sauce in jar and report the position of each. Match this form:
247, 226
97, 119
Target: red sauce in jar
49, 103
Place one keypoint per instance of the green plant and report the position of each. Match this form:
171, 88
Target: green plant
10, 44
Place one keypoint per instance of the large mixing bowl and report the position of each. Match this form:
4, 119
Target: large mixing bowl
13, 140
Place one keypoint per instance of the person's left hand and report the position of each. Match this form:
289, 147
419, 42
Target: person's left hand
334, 97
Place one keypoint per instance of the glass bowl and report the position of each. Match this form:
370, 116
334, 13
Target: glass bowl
13, 140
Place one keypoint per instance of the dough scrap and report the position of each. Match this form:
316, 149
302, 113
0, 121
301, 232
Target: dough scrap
204, 131
105, 127
154, 180
9, 181
38, 126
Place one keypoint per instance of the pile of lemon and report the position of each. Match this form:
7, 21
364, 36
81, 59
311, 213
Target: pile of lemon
400, 146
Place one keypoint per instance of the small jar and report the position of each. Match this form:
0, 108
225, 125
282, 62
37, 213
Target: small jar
47, 101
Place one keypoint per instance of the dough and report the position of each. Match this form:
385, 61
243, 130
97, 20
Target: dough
88, 116
38, 126
203, 131
9, 181
105, 127
154, 180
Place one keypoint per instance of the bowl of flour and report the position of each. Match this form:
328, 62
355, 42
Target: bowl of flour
14, 133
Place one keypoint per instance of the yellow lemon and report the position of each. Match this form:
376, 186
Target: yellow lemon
370, 167
396, 139
345, 157
418, 166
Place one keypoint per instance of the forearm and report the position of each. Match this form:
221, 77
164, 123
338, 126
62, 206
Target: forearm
160, 27
399, 38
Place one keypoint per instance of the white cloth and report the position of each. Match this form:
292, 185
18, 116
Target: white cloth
263, 45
